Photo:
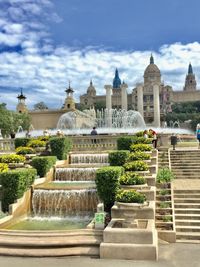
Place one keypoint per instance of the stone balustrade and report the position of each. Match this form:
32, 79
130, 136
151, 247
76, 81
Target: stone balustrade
7, 145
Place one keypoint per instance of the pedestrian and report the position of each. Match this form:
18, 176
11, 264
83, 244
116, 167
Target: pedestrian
145, 134
174, 141
12, 134
154, 135
94, 132
198, 134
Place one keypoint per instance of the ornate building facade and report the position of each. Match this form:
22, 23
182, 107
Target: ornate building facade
142, 97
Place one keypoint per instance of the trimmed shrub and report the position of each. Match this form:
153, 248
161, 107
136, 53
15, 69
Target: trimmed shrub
43, 164
140, 147
118, 158
14, 184
124, 143
23, 150
130, 196
3, 167
132, 178
12, 158
21, 141
142, 140
138, 155
164, 175
107, 181
36, 143
60, 146
136, 166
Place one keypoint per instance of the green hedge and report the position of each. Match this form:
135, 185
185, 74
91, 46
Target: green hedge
107, 181
140, 147
130, 196
21, 141
136, 166
24, 150
60, 146
36, 143
3, 167
139, 155
132, 178
12, 158
14, 184
118, 158
43, 164
125, 142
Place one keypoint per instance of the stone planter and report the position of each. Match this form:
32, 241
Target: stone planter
148, 191
16, 165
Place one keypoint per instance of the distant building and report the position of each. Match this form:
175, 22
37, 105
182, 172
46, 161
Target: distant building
142, 98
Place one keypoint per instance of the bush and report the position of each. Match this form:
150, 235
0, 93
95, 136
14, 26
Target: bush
60, 146
12, 158
118, 158
43, 138
124, 143
140, 147
138, 155
130, 196
21, 141
36, 143
136, 166
14, 184
3, 167
164, 175
107, 181
23, 150
132, 178
43, 164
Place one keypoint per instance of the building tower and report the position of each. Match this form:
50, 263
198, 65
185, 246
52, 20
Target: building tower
91, 91
21, 106
116, 80
116, 91
190, 81
69, 101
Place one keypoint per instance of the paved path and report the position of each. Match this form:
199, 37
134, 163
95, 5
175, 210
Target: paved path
170, 255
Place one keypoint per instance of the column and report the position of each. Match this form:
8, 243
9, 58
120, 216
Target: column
109, 104
140, 105
124, 96
156, 105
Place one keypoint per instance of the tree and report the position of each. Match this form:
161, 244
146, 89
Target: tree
10, 120
39, 106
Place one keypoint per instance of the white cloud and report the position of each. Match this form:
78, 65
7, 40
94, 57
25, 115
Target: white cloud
43, 70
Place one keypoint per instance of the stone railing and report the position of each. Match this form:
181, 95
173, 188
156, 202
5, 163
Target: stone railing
7, 145
95, 142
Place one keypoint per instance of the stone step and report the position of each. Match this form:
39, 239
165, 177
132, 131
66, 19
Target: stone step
188, 211
186, 200
189, 196
50, 252
184, 166
188, 241
182, 216
188, 222
188, 235
186, 228
186, 177
187, 191
187, 205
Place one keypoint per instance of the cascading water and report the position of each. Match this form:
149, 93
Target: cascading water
75, 174
89, 159
48, 203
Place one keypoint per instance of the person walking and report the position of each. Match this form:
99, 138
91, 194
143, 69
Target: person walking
198, 134
154, 135
94, 132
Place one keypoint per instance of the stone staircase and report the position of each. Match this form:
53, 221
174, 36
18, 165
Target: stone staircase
163, 160
52, 244
185, 164
187, 215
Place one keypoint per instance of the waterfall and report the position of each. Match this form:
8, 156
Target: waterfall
64, 202
89, 158
75, 174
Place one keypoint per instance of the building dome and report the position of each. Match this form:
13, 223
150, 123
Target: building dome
91, 89
152, 72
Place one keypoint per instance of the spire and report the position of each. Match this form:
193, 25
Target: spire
190, 71
116, 80
21, 96
151, 59
91, 84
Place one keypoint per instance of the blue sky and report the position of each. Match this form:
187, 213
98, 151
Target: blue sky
45, 43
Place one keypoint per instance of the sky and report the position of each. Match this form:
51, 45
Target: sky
44, 44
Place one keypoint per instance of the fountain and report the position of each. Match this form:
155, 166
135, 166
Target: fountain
75, 174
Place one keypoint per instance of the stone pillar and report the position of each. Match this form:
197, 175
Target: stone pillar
124, 105
156, 105
140, 105
109, 104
